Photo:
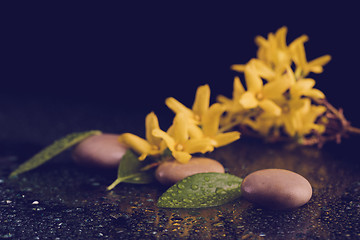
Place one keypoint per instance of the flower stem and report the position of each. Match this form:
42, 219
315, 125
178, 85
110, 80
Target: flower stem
352, 129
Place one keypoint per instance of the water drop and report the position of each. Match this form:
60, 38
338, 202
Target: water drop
187, 200
206, 179
181, 186
218, 224
211, 185
220, 191
194, 187
8, 235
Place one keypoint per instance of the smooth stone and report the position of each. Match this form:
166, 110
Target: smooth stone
103, 150
276, 189
170, 172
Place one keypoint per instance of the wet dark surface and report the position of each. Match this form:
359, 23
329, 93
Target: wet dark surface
60, 200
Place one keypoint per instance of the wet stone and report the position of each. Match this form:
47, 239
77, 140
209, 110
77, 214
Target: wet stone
170, 172
276, 189
100, 151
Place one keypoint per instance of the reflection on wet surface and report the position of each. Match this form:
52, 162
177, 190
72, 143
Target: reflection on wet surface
63, 201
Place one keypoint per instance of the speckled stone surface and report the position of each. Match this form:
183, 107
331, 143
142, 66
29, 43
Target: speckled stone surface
61, 200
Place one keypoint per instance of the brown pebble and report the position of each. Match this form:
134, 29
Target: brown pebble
170, 172
103, 150
276, 189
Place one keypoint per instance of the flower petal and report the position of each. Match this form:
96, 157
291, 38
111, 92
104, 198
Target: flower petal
226, 138
248, 100
238, 89
181, 157
298, 51
180, 128
138, 144
151, 123
314, 93
238, 67
281, 37
254, 83
289, 125
211, 119
195, 131
320, 61
301, 86
276, 88
178, 107
170, 142
199, 145
270, 107
263, 70
202, 100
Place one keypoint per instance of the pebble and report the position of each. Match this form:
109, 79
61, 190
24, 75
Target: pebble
100, 151
170, 172
278, 189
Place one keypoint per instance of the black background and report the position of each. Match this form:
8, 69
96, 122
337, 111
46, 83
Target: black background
130, 57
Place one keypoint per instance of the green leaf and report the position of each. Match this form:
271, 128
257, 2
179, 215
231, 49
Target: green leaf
130, 171
202, 190
52, 150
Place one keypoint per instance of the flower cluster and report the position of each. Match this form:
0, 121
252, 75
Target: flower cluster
279, 98
193, 130
279, 101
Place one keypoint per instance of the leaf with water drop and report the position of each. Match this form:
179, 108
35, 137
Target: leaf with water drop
131, 170
52, 150
202, 190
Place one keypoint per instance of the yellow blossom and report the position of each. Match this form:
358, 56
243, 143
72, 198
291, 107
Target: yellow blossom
150, 146
260, 95
232, 106
200, 105
299, 117
210, 127
303, 67
274, 55
178, 140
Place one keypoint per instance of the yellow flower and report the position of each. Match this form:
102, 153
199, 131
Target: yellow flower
260, 95
304, 87
200, 105
274, 55
210, 127
303, 67
274, 51
262, 124
233, 105
203, 121
299, 116
151, 146
178, 140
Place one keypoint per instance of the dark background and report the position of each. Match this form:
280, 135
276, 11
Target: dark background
131, 57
